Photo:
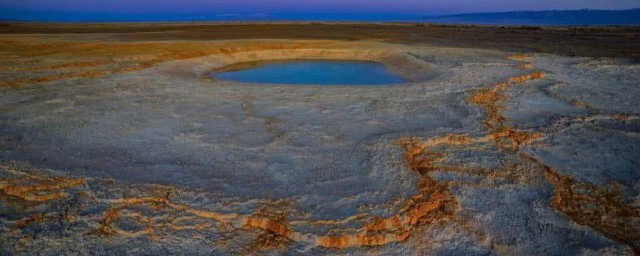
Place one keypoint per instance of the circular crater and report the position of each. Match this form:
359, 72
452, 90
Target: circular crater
307, 67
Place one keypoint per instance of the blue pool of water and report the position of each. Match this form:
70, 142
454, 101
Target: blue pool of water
311, 72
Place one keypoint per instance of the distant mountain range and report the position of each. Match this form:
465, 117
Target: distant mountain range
553, 17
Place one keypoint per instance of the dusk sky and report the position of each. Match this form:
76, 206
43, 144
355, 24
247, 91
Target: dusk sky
55, 9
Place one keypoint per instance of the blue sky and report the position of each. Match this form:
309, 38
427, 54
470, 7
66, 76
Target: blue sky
274, 9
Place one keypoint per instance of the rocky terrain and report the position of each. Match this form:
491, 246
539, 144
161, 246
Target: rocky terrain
120, 143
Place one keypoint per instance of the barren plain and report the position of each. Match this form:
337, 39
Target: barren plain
505, 141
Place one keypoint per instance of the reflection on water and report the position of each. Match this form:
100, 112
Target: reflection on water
310, 72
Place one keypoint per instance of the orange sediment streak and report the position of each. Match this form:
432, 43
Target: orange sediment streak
519, 57
341, 242
593, 206
51, 188
491, 99
267, 224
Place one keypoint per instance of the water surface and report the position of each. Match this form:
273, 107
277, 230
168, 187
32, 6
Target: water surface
311, 72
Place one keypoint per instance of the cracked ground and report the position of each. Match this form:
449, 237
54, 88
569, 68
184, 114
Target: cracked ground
126, 146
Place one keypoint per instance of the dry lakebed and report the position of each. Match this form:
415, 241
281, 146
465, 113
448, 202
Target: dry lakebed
123, 139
